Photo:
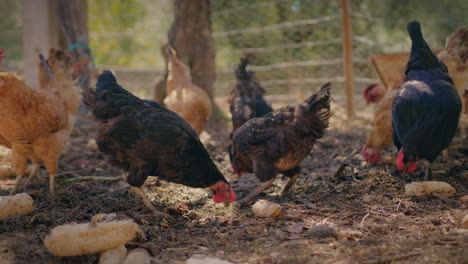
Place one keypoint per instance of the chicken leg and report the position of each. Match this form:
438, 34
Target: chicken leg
428, 171
446, 154
51, 184
290, 183
17, 183
20, 164
257, 191
19, 176
294, 175
33, 173
140, 193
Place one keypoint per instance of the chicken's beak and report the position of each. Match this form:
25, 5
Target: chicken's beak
171, 51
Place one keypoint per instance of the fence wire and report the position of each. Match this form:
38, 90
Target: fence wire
294, 45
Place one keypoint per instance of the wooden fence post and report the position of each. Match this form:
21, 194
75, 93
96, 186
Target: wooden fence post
348, 56
40, 33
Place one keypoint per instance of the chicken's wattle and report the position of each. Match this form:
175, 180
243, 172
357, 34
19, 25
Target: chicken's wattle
410, 167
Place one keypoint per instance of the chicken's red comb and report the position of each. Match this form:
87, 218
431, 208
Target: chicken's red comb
365, 90
1, 53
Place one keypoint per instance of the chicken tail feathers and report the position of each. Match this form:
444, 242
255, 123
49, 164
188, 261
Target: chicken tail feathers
321, 99
415, 33
421, 56
312, 116
241, 73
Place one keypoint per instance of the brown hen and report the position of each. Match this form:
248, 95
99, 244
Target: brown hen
34, 123
380, 135
280, 140
185, 98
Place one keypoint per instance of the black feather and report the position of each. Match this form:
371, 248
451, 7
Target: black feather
144, 138
421, 56
426, 108
281, 139
241, 72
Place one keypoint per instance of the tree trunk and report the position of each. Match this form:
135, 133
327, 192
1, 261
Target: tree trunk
190, 35
72, 17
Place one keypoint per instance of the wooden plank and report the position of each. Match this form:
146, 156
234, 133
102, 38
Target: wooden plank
390, 68
348, 56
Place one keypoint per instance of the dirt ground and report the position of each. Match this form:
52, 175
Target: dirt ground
372, 220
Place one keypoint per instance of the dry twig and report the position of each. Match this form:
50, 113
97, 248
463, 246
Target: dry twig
349, 206
340, 170
81, 170
327, 193
389, 259
88, 178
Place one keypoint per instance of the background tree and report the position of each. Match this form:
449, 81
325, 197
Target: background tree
72, 17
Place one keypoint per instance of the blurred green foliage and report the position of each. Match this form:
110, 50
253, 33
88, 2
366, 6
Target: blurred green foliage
379, 26
130, 32
10, 29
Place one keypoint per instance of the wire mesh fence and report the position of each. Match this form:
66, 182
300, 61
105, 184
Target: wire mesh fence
294, 45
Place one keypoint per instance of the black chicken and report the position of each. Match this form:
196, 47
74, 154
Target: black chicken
143, 138
426, 109
280, 140
246, 97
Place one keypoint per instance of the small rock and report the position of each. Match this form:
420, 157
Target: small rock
322, 231
113, 256
294, 228
276, 255
137, 256
92, 144
264, 208
200, 259
465, 222
344, 261
464, 200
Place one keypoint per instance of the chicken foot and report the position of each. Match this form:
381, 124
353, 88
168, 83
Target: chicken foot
146, 202
257, 191
31, 176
